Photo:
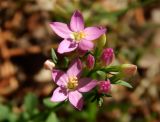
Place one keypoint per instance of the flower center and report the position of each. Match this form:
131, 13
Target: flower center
77, 36
72, 83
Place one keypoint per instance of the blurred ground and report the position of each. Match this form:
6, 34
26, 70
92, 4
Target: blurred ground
133, 30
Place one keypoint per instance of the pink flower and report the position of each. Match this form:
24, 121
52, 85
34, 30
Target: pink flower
90, 61
107, 56
70, 85
76, 36
104, 86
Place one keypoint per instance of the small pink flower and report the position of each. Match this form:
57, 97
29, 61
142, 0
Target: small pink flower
104, 86
70, 85
76, 35
107, 56
90, 61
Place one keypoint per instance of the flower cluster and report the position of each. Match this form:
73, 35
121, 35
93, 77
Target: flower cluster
88, 69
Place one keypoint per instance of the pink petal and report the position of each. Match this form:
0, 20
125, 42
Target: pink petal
59, 77
59, 94
75, 68
61, 29
76, 99
66, 46
86, 45
93, 33
86, 84
77, 22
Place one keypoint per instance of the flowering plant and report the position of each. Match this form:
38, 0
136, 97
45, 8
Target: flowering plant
88, 73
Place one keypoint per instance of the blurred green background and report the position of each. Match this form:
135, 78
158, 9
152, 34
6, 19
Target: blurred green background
133, 30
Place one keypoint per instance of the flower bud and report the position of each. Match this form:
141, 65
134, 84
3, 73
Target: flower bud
49, 65
101, 41
128, 69
90, 61
104, 86
107, 56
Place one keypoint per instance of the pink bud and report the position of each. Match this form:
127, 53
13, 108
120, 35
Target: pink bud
104, 86
90, 61
129, 69
49, 65
107, 56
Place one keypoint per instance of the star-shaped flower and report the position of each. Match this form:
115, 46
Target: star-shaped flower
70, 85
76, 35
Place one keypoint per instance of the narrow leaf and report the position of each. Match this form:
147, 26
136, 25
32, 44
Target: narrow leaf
54, 56
4, 112
30, 103
66, 62
102, 75
107, 95
52, 118
115, 78
123, 83
116, 68
49, 104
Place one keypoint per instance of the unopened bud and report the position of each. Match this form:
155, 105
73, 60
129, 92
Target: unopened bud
90, 61
49, 65
107, 56
129, 69
104, 86
101, 41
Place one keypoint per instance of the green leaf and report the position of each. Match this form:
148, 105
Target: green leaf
107, 95
123, 83
112, 69
85, 72
116, 78
54, 56
97, 52
4, 112
102, 75
47, 102
12, 117
30, 103
52, 118
66, 62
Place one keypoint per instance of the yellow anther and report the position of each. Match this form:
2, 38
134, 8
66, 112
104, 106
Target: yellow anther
72, 83
78, 36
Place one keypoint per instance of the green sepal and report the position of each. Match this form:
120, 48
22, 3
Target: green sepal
54, 56
123, 83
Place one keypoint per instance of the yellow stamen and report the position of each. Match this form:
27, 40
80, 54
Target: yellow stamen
78, 36
72, 83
